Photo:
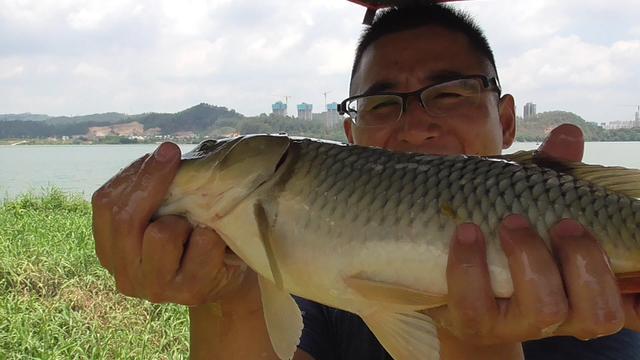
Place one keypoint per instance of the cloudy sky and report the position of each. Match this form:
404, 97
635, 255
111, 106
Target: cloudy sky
72, 57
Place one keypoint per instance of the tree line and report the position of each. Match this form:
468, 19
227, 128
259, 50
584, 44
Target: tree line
206, 120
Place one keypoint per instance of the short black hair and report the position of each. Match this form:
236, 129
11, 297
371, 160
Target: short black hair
416, 14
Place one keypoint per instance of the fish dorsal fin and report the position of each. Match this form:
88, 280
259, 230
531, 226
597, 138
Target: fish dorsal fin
283, 318
615, 178
392, 294
405, 336
523, 157
619, 179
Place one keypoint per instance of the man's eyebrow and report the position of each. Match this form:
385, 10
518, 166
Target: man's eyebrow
379, 86
433, 78
444, 75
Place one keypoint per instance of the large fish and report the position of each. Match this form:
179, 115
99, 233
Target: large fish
367, 230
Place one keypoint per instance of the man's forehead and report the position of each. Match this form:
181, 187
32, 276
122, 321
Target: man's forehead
431, 53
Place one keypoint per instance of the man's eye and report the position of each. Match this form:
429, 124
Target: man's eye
380, 105
448, 95
383, 105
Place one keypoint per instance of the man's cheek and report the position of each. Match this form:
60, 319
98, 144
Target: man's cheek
379, 137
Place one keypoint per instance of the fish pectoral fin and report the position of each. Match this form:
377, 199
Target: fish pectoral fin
406, 336
393, 294
283, 318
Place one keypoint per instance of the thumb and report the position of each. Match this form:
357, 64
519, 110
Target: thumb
565, 142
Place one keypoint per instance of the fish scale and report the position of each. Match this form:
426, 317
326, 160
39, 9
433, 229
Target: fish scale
514, 188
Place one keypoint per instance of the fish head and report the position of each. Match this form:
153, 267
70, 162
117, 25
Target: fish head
219, 174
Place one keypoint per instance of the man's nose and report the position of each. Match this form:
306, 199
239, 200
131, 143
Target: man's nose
416, 125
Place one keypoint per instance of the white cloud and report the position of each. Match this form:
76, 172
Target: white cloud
564, 61
85, 70
189, 18
335, 56
198, 58
10, 69
93, 14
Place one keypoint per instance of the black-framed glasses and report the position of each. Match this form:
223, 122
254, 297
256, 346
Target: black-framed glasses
449, 98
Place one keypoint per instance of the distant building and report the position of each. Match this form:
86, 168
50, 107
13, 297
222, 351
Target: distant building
184, 135
279, 108
529, 111
305, 111
152, 132
614, 125
332, 116
637, 121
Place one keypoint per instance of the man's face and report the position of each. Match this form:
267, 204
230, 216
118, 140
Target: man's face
409, 60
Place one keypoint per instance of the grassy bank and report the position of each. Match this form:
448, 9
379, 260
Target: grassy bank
57, 302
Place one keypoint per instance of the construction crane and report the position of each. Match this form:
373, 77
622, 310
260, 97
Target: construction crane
326, 111
325, 99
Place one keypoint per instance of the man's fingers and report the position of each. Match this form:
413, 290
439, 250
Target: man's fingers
565, 142
471, 303
203, 263
133, 212
102, 202
162, 250
539, 303
596, 305
631, 306
153, 181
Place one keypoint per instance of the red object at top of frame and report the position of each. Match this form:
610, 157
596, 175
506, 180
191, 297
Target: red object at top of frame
379, 4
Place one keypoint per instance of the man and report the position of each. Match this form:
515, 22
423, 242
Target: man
433, 57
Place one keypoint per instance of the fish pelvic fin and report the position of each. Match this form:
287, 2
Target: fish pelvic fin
394, 295
282, 317
406, 336
615, 178
264, 228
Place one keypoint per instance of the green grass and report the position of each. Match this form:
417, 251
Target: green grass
57, 302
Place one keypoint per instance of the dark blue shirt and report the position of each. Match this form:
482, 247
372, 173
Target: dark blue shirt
331, 334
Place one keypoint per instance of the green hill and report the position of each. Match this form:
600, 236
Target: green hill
217, 121
538, 128
199, 118
24, 117
110, 117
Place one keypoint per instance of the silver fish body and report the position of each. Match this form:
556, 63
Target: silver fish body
327, 213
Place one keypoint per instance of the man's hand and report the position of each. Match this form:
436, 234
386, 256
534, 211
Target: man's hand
570, 290
165, 260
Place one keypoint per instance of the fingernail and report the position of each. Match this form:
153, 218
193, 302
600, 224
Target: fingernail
563, 135
515, 222
163, 152
466, 234
568, 228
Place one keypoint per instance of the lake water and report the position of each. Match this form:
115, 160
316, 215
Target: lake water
83, 168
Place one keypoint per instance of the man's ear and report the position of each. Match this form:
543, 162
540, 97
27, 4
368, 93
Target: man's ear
507, 114
348, 130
